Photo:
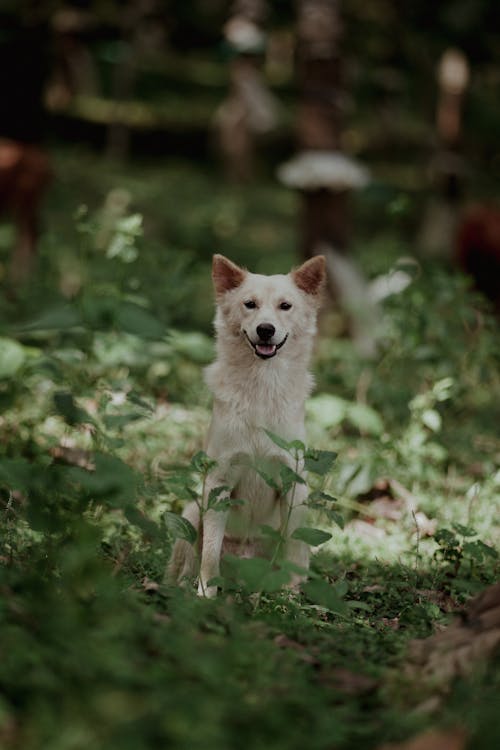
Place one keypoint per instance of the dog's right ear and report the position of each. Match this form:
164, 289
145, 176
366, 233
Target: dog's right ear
226, 275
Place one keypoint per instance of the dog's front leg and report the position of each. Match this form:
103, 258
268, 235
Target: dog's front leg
213, 530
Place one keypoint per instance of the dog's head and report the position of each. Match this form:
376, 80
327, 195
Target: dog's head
268, 313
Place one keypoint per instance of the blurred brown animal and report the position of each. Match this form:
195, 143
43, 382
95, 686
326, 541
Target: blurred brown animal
24, 176
478, 249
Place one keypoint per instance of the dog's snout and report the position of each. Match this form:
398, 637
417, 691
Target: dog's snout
266, 331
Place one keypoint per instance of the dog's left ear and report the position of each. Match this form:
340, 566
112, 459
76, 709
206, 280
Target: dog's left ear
226, 275
311, 275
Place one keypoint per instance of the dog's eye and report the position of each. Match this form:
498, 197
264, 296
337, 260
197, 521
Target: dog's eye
285, 306
250, 304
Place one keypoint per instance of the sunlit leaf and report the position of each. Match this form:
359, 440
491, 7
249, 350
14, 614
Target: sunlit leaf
12, 357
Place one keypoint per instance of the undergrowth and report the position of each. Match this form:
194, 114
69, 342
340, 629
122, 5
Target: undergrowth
103, 412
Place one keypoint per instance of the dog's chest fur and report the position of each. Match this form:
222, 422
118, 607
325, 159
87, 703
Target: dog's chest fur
264, 395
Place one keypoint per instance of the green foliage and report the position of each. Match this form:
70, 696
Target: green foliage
102, 413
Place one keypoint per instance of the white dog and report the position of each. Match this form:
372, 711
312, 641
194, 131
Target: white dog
265, 328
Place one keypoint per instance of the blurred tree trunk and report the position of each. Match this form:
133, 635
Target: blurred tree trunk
447, 169
249, 109
141, 36
319, 127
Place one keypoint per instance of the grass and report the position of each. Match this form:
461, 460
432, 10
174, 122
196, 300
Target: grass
101, 368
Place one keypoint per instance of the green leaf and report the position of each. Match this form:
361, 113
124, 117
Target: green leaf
112, 481
270, 532
58, 318
179, 527
15, 473
195, 346
466, 531
117, 421
145, 524
12, 357
279, 441
319, 462
327, 410
66, 406
322, 593
215, 502
202, 463
269, 471
336, 517
254, 574
288, 478
135, 319
314, 537
320, 495
365, 419
432, 419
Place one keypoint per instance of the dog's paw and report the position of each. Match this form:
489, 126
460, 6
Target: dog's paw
208, 592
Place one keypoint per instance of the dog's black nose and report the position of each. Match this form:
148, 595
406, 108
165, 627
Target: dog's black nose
266, 331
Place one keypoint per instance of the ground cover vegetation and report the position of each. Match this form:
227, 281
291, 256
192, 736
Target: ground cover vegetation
103, 411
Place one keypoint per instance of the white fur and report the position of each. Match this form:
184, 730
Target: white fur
251, 394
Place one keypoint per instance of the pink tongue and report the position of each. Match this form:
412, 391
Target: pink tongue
266, 348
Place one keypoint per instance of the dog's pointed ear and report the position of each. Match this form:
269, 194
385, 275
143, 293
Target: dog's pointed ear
226, 275
311, 275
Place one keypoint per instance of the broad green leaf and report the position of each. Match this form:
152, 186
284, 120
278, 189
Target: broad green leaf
336, 517
59, 318
288, 478
15, 473
196, 346
319, 462
12, 357
365, 419
135, 319
269, 471
327, 410
279, 441
180, 528
112, 481
314, 537
322, 593
145, 524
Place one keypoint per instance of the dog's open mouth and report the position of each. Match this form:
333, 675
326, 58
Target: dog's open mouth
263, 349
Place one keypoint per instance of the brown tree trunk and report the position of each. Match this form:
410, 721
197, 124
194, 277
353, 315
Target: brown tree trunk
249, 109
319, 127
